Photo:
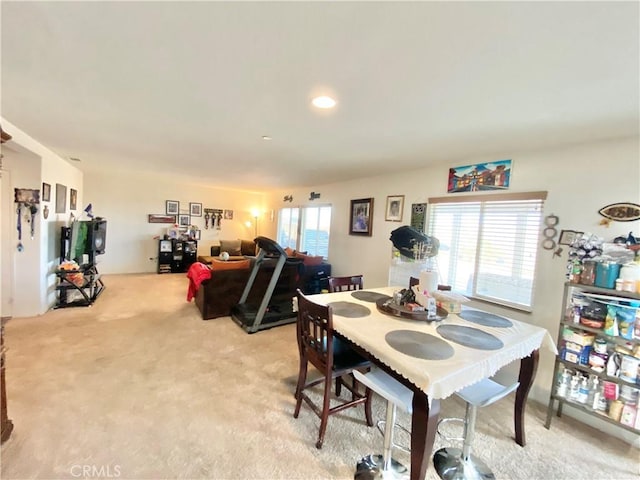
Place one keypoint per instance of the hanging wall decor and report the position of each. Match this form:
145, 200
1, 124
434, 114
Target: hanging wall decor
621, 212
195, 209
482, 176
73, 199
361, 218
46, 192
418, 212
61, 198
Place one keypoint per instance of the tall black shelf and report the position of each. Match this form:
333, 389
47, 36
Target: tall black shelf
175, 256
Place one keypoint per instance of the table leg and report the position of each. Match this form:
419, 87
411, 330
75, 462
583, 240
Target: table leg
528, 369
424, 423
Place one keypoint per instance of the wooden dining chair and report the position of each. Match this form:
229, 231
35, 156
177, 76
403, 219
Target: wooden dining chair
343, 284
334, 359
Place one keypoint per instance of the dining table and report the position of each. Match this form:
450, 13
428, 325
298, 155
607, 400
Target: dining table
435, 358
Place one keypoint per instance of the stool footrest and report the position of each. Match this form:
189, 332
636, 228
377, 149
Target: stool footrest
447, 420
380, 424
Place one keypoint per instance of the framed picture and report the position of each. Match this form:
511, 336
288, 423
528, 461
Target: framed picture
197, 234
567, 237
395, 206
46, 192
61, 198
161, 218
173, 207
228, 214
195, 209
494, 175
73, 199
184, 220
361, 218
26, 195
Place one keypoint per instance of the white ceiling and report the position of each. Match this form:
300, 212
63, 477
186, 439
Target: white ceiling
191, 88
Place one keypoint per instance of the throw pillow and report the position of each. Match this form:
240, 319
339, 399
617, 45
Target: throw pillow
232, 247
248, 247
310, 260
290, 252
218, 265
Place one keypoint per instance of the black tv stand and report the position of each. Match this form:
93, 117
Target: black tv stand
79, 287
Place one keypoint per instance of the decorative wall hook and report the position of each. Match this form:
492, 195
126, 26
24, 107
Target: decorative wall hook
314, 195
288, 198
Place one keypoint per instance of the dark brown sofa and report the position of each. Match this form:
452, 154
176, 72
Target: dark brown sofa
223, 290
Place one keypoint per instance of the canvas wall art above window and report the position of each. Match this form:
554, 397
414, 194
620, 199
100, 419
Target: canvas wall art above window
482, 176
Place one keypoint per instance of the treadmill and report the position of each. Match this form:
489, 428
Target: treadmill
257, 311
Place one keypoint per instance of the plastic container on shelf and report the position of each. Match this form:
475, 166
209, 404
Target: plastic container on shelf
588, 274
606, 274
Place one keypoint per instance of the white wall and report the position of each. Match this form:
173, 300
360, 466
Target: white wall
580, 180
126, 200
30, 289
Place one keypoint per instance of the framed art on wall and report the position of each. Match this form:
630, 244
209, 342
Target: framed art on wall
46, 192
73, 199
184, 220
173, 207
395, 206
61, 198
361, 218
195, 209
495, 175
161, 218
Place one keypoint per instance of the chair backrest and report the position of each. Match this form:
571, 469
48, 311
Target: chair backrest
343, 284
315, 332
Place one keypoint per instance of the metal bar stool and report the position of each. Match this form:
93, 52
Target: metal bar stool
458, 464
376, 466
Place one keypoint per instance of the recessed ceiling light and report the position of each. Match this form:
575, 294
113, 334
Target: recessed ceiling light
266, 137
324, 102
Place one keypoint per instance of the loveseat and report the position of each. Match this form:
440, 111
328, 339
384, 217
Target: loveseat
237, 250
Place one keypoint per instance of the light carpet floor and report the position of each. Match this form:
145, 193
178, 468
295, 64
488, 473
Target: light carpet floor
138, 386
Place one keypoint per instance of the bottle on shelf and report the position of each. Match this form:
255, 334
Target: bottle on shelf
574, 390
583, 390
594, 393
564, 381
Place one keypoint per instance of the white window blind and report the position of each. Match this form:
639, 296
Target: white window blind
488, 247
305, 229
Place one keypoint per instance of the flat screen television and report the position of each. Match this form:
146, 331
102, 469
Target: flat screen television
86, 237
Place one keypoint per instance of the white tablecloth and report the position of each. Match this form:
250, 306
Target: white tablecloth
437, 378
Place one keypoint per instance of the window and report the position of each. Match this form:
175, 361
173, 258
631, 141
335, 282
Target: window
488, 245
305, 229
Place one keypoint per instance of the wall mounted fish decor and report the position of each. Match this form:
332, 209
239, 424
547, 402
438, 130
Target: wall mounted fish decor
621, 212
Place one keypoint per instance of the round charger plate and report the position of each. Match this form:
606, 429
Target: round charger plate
349, 309
366, 296
419, 345
470, 337
485, 318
